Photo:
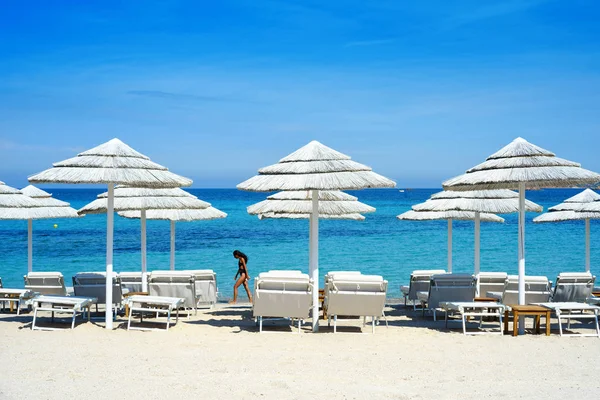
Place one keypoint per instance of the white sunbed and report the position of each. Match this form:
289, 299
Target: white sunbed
355, 295
419, 282
282, 294
18, 296
51, 283
93, 285
474, 309
573, 287
131, 282
61, 304
490, 282
537, 290
448, 288
177, 284
156, 305
205, 282
572, 310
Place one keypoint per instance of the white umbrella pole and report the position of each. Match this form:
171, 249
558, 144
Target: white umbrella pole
30, 245
314, 258
521, 252
587, 245
172, 245
477, 247
110, 218
450, 245
144, 274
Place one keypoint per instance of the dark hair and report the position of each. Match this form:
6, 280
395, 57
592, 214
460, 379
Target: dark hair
240, 254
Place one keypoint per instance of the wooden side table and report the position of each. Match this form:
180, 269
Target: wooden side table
527, 310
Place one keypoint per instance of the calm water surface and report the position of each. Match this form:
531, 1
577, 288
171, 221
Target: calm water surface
380, 245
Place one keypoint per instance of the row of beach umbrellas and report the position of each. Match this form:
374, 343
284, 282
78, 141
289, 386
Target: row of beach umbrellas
310, 180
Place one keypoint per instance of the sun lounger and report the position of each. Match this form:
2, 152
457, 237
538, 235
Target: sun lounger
282, 294
153, 304
537, 290
177, 284
131, 282
355, 295
93, 284
18, 296
205, 282
419, 282
573, 287
572, 310
490, 282
474, 309
61, 304
449, 288
52, 283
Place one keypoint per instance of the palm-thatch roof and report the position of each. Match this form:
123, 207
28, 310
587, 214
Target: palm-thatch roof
43, 197
315, 167
111, 162
413, 215
131, 199
208, 213
501, 201
351, 217
579, 207
14, 204
301, 204
522, 162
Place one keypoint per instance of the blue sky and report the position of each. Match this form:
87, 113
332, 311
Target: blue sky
418, 90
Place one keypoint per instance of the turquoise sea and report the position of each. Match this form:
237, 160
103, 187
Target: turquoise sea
380, 245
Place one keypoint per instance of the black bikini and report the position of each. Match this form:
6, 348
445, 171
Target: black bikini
241, 268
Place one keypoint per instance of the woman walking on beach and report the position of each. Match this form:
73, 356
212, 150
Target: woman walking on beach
243, 273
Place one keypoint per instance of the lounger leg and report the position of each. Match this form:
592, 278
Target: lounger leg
260, 323
176, 316
34, 317
18, 306
129, 318
464, 324
329, 320
434, 312
168, 318
73, 319
335, 323
364, 320
597, 327
373, 325
299, 320
559, 322
569, 321
446, 317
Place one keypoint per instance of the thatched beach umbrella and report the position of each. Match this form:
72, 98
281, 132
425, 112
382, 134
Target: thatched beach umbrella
142, 200
349, 217
414, 215
112, 163
570, 210
315, 167
28, 204
522, 165
499, 201
300, 202
173, 216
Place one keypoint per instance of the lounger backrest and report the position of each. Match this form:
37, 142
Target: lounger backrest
173, 284
537, 290
205, 281
420, 281
131, 282
93, 284
275, 280
490, 282
46, 283
451, 287
357, 283
573, 287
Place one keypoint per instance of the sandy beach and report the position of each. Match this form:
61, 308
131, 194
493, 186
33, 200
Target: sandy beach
220, 354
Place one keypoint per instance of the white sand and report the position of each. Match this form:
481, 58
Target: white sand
220, 354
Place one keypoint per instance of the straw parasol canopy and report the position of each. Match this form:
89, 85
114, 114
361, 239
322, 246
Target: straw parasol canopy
132, 199
499, 201
144, 200
315, 167
173, 216
414, 215
349, 217
113, 163
521, 165
28, 204
569, 210
300, 202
